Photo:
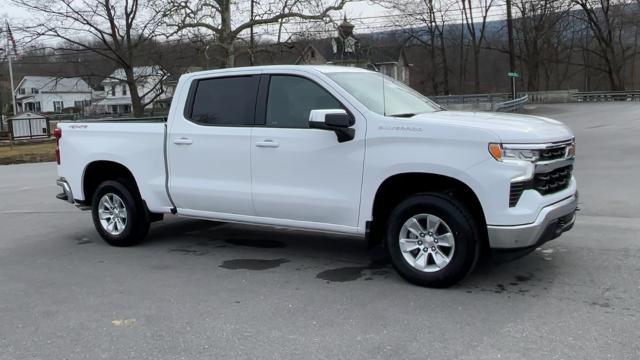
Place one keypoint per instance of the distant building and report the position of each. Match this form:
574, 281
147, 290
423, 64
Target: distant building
50, 94
347, 50
151, 82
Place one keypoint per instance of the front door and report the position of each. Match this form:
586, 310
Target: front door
208, 148
300, 173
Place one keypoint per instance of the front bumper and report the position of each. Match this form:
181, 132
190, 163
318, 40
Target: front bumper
552, 221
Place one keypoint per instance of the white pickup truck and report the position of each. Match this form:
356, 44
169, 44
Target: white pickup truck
332, 149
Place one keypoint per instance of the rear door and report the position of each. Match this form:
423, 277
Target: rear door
209, 147
299, 173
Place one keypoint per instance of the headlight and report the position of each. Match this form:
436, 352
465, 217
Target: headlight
502, 153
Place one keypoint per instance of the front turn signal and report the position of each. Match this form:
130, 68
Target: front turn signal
496, 151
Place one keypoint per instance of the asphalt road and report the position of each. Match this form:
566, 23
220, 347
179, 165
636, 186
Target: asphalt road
198, 289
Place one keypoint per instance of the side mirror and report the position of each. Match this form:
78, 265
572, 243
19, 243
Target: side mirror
336, 120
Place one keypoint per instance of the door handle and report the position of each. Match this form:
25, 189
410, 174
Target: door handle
268, 143
183, 141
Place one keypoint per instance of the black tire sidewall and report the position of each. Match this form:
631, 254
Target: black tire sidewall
461, 225
129, 236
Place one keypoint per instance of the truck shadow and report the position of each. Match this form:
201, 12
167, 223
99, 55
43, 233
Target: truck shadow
330, 258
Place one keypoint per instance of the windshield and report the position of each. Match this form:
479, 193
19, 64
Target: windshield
396, 99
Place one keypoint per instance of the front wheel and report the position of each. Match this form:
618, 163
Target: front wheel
432, 240
118, 214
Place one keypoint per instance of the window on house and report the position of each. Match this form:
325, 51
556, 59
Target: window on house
124, 90
34, 90
113, 90
22, 91
57, 106
38, 107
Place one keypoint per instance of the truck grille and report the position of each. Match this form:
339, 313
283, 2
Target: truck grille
517, 188
554, 153
544, 183
552, 181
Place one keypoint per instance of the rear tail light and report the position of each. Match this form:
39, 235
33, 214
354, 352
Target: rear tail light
57, 133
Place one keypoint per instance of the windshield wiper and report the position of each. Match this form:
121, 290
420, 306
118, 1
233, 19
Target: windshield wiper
405, 115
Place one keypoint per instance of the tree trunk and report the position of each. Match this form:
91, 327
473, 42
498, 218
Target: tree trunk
445, 64
462, 62
476, 69
226, 37
136, 101
433, 72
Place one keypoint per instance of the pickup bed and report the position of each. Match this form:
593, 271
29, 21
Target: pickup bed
332, 149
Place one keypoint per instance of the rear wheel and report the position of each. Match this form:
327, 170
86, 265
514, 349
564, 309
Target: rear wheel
432, 240
118, 213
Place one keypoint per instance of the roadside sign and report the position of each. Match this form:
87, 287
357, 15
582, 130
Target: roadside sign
513, 74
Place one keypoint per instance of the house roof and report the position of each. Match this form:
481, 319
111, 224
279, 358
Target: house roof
28, 115
272, 54
119, 75
384, 54
124, 100
372, 53
56, 84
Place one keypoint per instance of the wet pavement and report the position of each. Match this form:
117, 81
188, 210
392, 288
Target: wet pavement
198, 289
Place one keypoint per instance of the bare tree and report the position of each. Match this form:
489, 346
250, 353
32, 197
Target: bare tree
538, 24
608, 23
477, 30
227, 19
424, 22
113, 29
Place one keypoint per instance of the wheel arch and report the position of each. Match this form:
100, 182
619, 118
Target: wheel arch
101, 170
398, 187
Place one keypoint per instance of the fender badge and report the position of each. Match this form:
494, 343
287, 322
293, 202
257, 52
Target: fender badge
400, 128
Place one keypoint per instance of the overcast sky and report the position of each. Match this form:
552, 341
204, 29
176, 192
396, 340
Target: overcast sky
356, 9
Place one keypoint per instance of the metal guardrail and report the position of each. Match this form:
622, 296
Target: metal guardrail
597, 96
512, 105
469, 99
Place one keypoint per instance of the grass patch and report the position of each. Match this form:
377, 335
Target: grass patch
27, 153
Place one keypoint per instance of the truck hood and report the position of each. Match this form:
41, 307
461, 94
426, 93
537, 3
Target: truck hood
510, 128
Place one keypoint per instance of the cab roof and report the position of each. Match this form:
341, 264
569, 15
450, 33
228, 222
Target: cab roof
319, 68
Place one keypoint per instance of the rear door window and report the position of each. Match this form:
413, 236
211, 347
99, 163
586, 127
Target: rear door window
228, 101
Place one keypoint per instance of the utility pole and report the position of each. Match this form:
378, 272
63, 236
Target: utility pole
251, 36
512, 59
9, 58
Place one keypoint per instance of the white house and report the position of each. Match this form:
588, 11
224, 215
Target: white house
347, 50
152, 83
50, 94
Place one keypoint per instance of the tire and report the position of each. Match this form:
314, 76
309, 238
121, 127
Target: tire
440, 265
134, 220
